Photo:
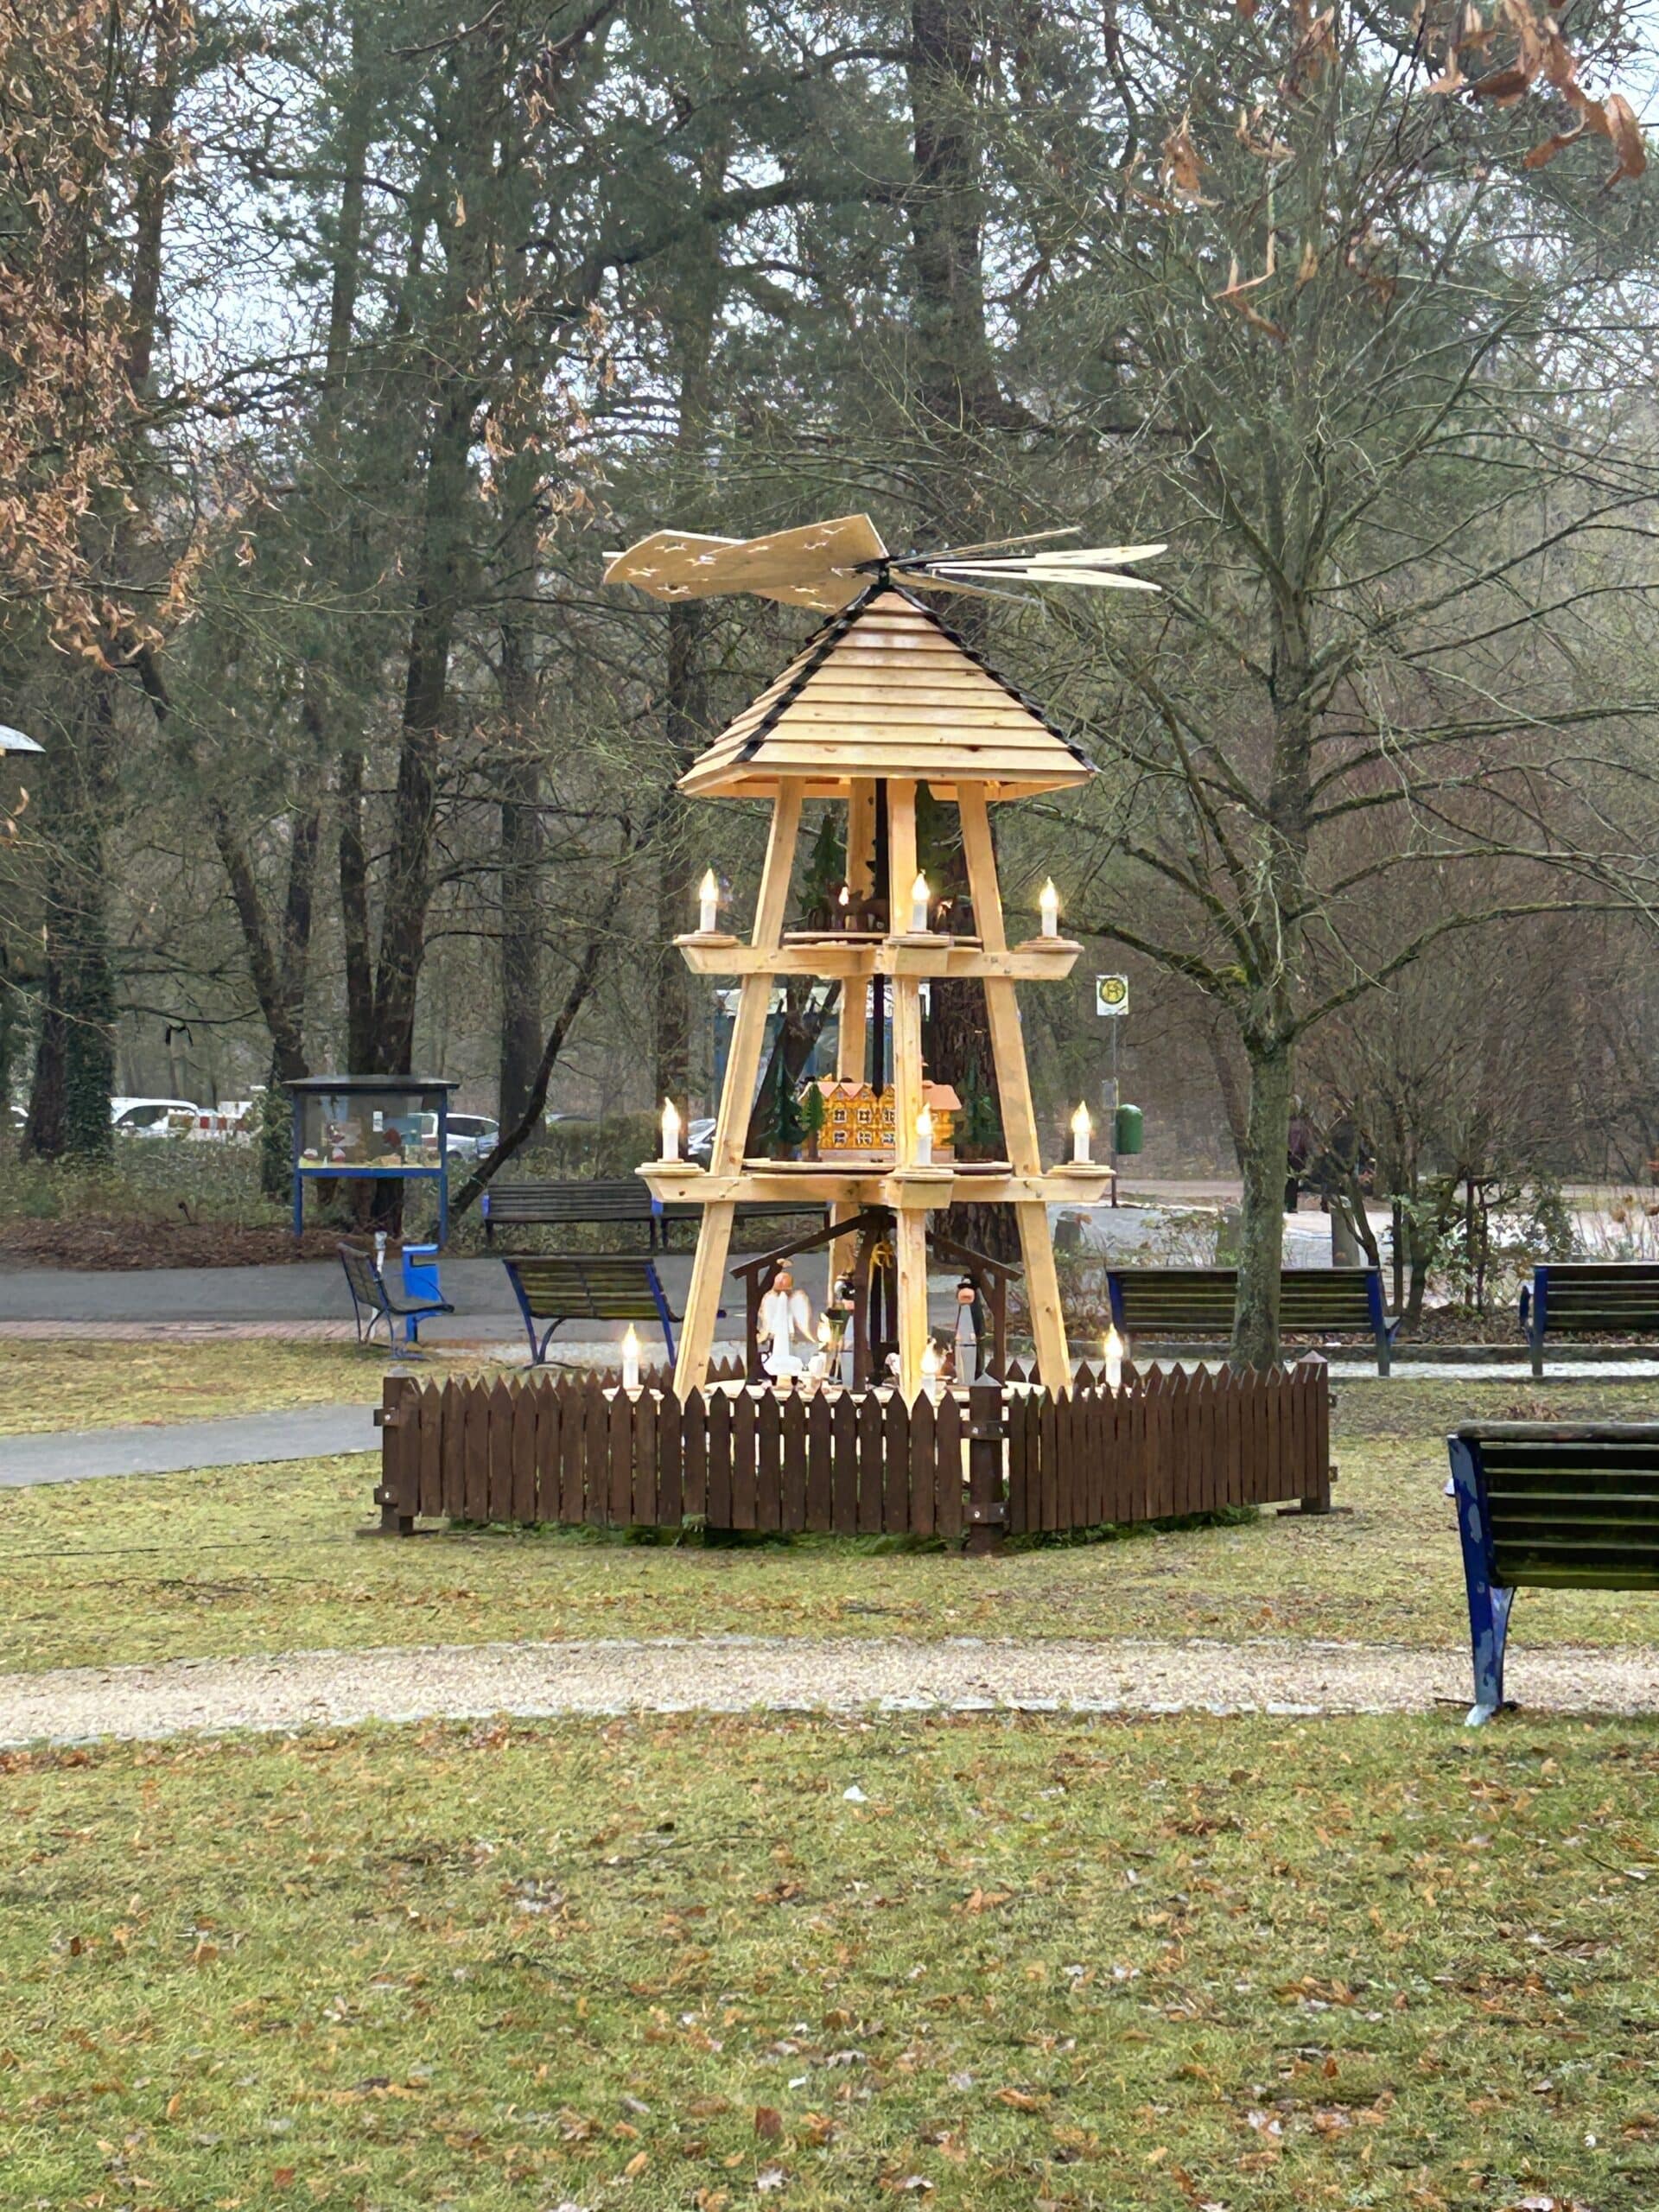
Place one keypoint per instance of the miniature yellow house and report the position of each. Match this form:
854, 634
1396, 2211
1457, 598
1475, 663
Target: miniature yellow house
862, 1124
881, 701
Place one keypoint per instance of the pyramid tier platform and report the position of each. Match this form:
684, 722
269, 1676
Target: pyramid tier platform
1039, 959
906, 1190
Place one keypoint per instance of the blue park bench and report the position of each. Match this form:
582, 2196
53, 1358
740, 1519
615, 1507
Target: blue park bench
1589, 1297
372, 1296
1568, 1508
587, 1287
1173, 1304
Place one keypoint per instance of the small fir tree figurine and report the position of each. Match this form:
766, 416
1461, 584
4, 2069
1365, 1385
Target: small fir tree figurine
787, 1129
981, 1125
813, 1115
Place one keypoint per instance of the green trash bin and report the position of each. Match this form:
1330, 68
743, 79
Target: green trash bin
1129, 1132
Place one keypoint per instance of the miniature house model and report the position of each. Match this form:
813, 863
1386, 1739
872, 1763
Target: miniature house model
861, 1124
883, 700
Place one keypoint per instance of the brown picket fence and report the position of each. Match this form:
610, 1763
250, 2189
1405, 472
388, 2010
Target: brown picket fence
1173, 1442
991, 1461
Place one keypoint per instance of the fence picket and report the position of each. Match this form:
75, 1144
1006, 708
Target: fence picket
743, 1450
819, 1504
894, 1475
719, 1507
922, 1423
769, 1462
870, 1464
545, 1400
843, 1468
792, 1497
949, 1473
647, 1513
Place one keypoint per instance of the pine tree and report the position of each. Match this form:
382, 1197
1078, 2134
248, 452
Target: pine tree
787, 1128
813, 1116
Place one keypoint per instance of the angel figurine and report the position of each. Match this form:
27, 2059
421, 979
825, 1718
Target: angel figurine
785, 1315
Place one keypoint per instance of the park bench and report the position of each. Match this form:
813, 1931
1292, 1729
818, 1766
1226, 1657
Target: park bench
371, 1294
587, 1287
1569, 1508
609, 1199
1175, 1303
1589, 1299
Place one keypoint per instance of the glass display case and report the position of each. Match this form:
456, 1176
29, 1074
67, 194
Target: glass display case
371, 1127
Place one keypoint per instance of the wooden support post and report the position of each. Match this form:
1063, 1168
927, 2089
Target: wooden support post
1014, 1089
910, 1233
395, 1417
737, 1099
986, 1513
910, 1264
852, 1039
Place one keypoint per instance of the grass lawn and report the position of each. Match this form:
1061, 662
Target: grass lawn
670, 1964
53, 1382
262, 1560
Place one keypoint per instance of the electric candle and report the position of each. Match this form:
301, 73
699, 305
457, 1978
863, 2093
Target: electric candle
671, 1130
924, 1139
1082, 1130
1114, 1360
631, 1360
708, 903
1049, 901
919, 899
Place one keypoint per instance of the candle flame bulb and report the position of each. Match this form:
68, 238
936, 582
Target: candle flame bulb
671, 1130
1114, 1349
846, 894
631, 1360
1049, 902
920, 896
1082, 1130
708, 902
924, 1139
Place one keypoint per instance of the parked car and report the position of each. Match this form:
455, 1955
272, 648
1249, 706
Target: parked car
154, 1117
472, 1136
700, 1140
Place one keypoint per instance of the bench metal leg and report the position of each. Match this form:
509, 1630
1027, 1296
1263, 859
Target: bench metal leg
1489, 1603
1538, 1359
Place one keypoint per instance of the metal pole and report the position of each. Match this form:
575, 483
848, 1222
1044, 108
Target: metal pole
1111, 1137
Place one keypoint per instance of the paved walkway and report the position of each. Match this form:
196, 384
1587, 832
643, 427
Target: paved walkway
317, 1689
237, 1441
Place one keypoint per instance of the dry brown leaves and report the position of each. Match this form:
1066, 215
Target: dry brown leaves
1541, 57
1181, 171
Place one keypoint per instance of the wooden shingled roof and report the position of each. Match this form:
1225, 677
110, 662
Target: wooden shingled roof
885, 690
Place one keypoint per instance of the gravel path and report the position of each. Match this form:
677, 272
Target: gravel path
308, 1690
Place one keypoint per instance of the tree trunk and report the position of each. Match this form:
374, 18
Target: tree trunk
1267, 1139
357, 958
521, 927
520, 784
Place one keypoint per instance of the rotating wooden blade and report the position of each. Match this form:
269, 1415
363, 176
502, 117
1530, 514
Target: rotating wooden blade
819, 566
